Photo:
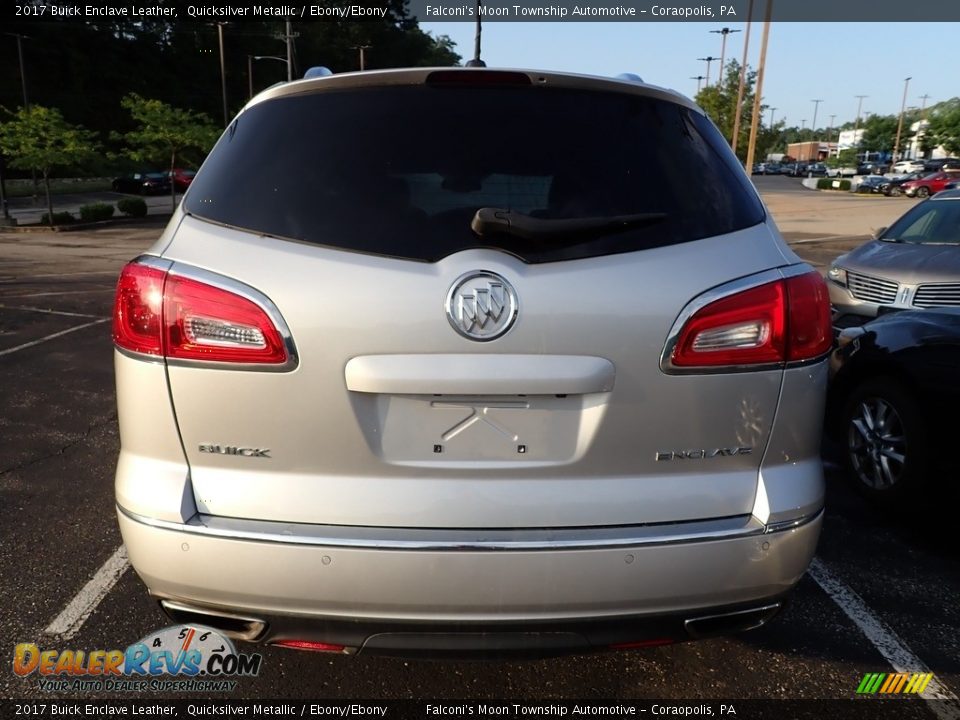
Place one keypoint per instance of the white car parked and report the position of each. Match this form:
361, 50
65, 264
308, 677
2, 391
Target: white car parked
907, 166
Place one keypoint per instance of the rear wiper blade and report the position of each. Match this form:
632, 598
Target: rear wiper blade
494, 221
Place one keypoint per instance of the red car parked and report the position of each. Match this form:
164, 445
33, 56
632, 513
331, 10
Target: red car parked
928, 185
182, 178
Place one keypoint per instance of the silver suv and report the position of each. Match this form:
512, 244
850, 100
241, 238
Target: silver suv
434, 360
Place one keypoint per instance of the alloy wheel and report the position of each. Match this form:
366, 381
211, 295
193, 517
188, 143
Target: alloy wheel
876, 443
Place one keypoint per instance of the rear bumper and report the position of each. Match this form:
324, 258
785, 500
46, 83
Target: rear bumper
555, 591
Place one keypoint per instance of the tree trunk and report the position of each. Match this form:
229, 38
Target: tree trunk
46, 187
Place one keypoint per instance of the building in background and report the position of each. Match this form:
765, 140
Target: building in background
811, 151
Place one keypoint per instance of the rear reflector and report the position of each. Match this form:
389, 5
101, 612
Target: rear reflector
781, 321
310, 645
178, 317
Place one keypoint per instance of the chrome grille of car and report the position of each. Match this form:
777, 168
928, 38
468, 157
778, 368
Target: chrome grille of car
872, 289
938, 295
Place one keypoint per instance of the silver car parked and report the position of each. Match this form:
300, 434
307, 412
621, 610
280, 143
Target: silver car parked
915, 263
434, 361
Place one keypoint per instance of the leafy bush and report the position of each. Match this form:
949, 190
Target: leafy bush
133, 207
828, 184
59, 218
96, 211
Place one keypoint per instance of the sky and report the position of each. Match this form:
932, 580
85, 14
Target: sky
833, 62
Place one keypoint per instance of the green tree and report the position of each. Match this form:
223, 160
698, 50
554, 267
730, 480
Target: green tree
163, 133
944, 127
879, 133
719, 101
38, 138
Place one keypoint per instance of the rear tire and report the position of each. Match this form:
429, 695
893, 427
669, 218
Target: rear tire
885, 442
894, 191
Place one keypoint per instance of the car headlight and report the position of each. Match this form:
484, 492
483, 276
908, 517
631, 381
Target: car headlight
838, 275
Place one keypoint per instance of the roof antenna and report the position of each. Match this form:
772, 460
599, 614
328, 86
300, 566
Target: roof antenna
477, 62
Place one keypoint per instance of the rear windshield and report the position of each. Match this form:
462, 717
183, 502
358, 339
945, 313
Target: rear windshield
401, 171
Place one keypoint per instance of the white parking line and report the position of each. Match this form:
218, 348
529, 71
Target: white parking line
69, 622
47, 311
885, 640
55, 335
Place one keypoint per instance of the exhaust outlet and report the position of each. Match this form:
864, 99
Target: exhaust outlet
733, 622
236, 627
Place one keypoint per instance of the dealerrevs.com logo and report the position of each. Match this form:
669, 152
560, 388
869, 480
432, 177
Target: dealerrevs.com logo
180, 658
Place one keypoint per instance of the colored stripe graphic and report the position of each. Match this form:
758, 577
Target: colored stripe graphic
871, 683
894, 683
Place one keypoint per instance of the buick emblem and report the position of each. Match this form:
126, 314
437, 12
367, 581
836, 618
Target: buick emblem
481, 306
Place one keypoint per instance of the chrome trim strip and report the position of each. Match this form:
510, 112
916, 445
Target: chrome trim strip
467, 540
237, 288
718, 293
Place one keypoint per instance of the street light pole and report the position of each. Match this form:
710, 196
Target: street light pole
723, 49
771, 117
363, 57
830, 133
26, 106
223, 75
708, 59
903, 106
698, 78
856, 124
23, 73
816, 106
250, 58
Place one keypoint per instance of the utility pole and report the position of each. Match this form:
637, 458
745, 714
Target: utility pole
816, 106
758, 92
903, 106
830, 133
740, 89
923, 105
708, 60
723, 49
288, 37
698, 78
771, 117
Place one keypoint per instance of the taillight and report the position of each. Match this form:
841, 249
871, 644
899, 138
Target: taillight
785, 320
184, 318
137, 309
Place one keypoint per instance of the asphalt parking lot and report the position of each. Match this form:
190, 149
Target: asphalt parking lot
881, 596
